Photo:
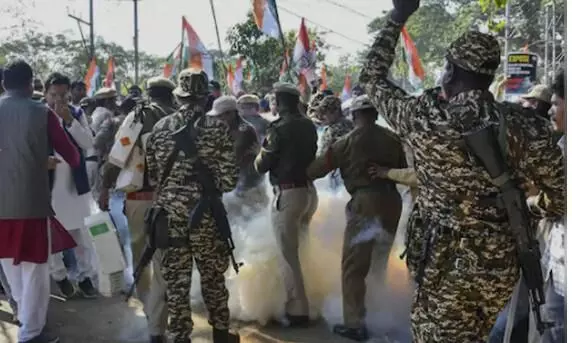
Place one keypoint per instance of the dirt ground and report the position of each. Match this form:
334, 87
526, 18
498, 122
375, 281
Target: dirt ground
111, 320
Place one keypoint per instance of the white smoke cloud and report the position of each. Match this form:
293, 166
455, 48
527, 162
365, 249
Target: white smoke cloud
258, 292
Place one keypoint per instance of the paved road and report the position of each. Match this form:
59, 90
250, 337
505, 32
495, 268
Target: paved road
111, 320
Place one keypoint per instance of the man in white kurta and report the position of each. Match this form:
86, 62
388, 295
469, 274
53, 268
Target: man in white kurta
71, 200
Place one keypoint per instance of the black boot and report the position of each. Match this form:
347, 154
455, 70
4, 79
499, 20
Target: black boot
223, 336
356, 334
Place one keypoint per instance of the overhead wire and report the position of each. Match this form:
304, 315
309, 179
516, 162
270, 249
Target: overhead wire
322, 26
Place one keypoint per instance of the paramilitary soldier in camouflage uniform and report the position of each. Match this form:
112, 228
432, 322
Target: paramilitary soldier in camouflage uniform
178, 192
288, 149
466, 263
151, 288
337, 126
248, 107
374, 203
250, 191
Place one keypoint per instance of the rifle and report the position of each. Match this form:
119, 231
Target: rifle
211, 198
144, 261
487, 149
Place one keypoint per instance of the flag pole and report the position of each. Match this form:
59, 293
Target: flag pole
222, 59
275, 8
181, 62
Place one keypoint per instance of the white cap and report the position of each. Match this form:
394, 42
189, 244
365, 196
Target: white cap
225, 103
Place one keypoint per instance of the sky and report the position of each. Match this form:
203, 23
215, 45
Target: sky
160, 20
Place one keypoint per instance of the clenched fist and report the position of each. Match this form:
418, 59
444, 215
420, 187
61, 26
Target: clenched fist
403, 9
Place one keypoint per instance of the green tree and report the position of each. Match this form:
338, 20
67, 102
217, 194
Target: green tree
48, 53
264, 53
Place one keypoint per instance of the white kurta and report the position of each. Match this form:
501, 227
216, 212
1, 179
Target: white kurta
71, 208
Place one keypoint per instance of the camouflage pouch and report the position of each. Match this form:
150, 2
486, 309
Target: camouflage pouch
414, 242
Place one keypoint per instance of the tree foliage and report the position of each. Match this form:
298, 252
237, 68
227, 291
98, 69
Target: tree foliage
47, 53
265, 54
437, 23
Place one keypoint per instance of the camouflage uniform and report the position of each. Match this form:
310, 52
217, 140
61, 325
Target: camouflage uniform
178, 195
374, 204
467, 247
332, 132
313, 106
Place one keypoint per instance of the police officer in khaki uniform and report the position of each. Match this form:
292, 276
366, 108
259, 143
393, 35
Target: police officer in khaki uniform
250, 190
151, 288
375, 204
288, 149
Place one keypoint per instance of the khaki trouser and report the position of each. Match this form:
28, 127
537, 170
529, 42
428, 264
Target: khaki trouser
369, 214
151, 287
292, 210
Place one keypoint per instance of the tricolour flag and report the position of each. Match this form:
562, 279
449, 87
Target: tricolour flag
172, 62
92, 78
347, 91
109, 75
198, 55
416, 72
303, 56
264, 12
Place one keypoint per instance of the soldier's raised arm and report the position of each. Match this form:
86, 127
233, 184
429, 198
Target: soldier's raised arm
269, 153
393, 103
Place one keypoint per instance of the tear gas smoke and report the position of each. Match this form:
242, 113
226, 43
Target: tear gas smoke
258, 292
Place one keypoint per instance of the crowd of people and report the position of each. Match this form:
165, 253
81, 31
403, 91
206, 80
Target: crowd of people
459, 150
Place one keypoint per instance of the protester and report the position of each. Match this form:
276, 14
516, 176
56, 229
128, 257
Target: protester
72, 204
78, 92
480, 276
25, 204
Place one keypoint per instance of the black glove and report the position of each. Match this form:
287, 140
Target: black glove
403, 9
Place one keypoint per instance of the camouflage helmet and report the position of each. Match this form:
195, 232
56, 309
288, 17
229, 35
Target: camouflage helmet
192, 82
475, 52
315, 101
330, 104
362, 102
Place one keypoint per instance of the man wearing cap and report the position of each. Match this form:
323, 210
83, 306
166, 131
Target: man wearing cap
105, 110
151, 288
214, 93
467, 266
374, 203
248, 108
250, 190
288, 149
177, 194
539, 99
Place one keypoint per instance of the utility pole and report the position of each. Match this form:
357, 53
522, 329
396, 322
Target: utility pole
135, 39
91, 33
546, 38
553, 41
91, 51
